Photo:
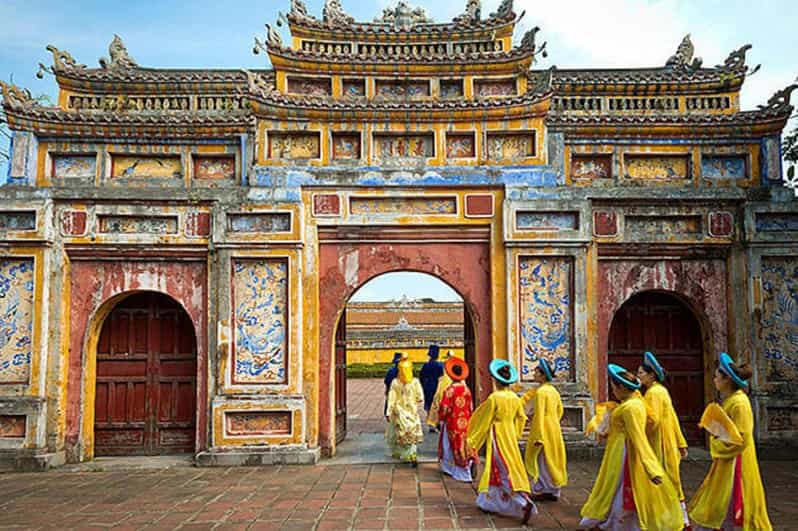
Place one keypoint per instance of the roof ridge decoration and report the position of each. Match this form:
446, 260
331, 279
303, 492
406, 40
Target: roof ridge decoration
273, 40
403, 16
120, 59
16, 97
735, 62
504, 11
780, 101
683, 58
333, 14
528, 42
62, 62
473, 13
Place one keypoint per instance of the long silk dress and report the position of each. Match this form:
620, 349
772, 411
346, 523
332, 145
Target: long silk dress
732, 495
547, 468
665, 435
498, 423
404, 430
454, 413
432, 415
624, 497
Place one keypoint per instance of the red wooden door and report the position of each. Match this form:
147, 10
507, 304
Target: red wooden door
664, 325
146, 379
340, 380
470, 351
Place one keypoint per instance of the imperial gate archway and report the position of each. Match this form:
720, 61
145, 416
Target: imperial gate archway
458, 256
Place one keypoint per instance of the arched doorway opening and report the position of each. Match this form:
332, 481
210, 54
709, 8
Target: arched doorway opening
395, 311
662, 323
146, 378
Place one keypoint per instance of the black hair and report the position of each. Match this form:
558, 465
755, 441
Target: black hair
457, 370
504, 372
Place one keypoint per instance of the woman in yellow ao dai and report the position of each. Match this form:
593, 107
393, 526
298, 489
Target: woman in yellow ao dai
731, 496
631, 490
498, 424
544, 456
662, 427
404, 432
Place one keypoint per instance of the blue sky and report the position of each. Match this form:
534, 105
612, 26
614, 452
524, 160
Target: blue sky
580, 33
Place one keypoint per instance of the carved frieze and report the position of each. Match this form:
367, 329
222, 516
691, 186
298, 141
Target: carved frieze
460, 146
214, 167
146, 166
251, 423
294, 146
647, 166
510, 146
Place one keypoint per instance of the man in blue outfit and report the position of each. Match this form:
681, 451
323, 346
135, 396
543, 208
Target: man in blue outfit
429, 376
389, 378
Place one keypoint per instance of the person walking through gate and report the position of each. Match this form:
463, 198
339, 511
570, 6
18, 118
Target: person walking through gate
544, 456
632, 491
389, 378
662, 425
443, 383
455, 411
404, 430
497, 424
429, 376
731, 496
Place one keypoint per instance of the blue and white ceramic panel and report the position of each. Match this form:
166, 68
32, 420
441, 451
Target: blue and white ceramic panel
16, 320
545, 314
260, 314
780, 318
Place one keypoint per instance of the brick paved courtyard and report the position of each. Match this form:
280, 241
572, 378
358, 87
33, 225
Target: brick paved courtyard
292, 497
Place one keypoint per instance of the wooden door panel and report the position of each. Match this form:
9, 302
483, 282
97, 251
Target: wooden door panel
340, 380
663, 324
145, 402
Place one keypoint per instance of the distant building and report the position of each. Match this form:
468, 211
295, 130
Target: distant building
375, 330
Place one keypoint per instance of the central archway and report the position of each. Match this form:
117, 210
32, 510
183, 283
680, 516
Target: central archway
397, 311
459, 257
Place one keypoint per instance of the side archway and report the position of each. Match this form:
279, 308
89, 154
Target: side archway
666, 325
96, 288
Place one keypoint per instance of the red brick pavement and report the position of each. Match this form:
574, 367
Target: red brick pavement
295, 497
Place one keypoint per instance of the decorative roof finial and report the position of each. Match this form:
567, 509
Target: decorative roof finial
473, 13
683, 58
780, 100
62, 62
14, 96
505, 10
403, 16
298, 9
735, 62
273, 40
333, 14
120, 59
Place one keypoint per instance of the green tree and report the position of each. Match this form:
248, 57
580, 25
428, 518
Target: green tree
789, 150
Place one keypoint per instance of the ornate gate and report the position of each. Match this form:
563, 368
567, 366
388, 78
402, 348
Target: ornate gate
146, 379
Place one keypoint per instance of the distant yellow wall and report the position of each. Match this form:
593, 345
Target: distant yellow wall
386, 355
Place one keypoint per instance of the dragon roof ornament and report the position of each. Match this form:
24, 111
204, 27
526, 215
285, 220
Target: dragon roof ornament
683, 58
119, 57
273, 40
17, 97
780, 101
403, 16
735, 62
333, 14
528, 43
504, 11
62, 62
